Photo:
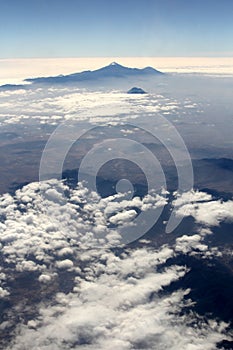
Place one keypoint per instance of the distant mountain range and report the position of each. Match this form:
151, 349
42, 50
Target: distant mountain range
114, 70
108, 73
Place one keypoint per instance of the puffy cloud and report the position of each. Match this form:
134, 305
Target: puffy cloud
26, 266
120, 218
191, 197
187, 244
3, 293
65, 264
49, 222
113, 298
204, 210
117, 304
44, 278
207, 214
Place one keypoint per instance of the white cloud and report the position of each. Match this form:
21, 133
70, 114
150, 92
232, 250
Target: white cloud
52, 105
65, 264
3, 293
187, 244
120, 218
207, 214
114, 298
117, 304
44, 278
203, 209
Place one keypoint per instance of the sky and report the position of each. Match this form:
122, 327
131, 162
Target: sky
91, 28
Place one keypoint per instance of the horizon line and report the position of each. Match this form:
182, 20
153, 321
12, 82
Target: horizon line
105, 57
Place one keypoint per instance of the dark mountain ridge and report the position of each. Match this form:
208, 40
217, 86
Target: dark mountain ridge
114, 70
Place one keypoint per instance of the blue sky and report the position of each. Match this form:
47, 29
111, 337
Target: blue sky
89, 28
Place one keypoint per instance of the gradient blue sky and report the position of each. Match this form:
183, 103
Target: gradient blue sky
88, 28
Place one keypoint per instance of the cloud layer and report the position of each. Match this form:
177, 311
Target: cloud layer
51, 105
98, 298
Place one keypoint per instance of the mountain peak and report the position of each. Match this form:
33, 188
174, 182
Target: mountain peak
114, 64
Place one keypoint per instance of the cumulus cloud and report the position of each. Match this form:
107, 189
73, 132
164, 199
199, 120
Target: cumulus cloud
187, 244
117, 305
208, 213
44, 278
3, 293
203, 209
40, 218
109, 298
65, 264
120, 218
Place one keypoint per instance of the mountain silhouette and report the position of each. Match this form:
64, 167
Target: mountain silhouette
114, 70
136, 90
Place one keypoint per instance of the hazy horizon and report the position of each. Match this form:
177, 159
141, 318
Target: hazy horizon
14, 70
